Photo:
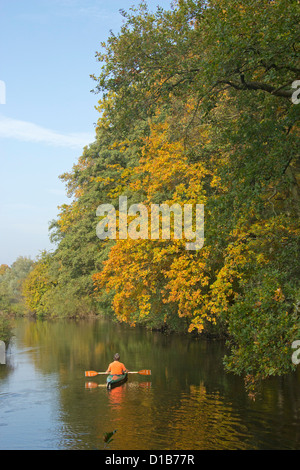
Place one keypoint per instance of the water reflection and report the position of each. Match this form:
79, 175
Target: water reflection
116, 397
189, 402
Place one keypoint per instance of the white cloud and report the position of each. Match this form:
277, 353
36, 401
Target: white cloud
30, 132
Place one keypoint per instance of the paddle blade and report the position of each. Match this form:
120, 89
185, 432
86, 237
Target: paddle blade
91, 385
90, 373
145, 372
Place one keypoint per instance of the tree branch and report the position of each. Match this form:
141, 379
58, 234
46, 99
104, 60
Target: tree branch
258, 86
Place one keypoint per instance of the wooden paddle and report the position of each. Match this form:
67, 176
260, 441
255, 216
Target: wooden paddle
92, 373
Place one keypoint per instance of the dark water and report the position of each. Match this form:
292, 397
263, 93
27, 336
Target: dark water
188, 403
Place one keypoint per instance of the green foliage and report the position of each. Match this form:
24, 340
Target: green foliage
11, 280
107, 438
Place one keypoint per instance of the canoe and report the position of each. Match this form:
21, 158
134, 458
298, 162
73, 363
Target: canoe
115, 380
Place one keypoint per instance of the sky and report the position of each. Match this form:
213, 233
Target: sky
47, 109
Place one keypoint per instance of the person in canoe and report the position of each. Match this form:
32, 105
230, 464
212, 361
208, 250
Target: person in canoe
116, 367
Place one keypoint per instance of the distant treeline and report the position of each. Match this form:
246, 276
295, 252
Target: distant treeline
197, 106
11, 299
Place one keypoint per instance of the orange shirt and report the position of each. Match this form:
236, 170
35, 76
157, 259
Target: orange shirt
116, 368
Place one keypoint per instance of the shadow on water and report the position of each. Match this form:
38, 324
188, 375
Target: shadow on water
188, 402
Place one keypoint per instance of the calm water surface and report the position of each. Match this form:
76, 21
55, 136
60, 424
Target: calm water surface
188, 403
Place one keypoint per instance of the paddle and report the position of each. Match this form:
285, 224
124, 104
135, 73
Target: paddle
141, 372
90, 385
92, 373
94, 385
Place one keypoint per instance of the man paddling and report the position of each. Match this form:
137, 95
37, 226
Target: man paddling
116, 367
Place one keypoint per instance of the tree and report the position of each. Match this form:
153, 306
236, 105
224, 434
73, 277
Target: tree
11, 280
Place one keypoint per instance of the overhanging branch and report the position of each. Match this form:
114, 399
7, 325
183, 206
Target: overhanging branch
258, 86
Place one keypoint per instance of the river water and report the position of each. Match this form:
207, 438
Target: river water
188, 402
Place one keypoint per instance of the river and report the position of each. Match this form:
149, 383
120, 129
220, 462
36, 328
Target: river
188, 403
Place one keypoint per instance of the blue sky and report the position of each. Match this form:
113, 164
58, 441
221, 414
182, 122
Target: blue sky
47, 115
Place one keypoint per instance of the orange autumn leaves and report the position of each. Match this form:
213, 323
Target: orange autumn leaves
154, 277
165, 170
